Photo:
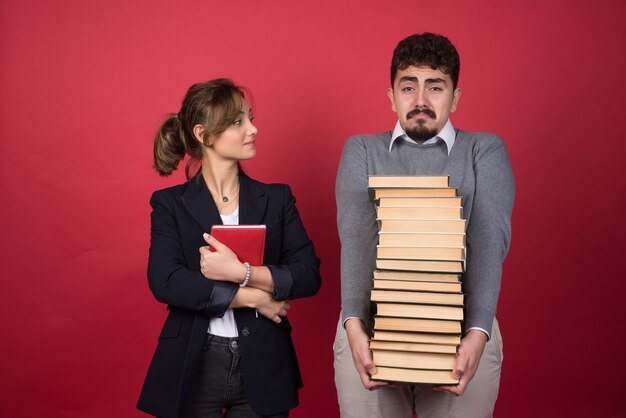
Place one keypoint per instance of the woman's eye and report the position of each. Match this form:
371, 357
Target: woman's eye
237, 122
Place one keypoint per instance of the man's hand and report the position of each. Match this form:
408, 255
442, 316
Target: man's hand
469, 352
361, 354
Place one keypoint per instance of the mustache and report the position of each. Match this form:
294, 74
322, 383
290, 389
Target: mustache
425, 111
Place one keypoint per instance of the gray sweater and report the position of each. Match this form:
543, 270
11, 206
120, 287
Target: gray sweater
479, 168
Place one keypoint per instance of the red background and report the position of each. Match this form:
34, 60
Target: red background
84, 85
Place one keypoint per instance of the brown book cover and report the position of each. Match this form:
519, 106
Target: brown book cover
404, 193
434, 377
414, 347
417, 286
434, 226
407, 181
417, 325
414, 360
420, 213
398, 296
413, 202
417, 337
421, 265
423, 239
412, 310
417, 276
400, 252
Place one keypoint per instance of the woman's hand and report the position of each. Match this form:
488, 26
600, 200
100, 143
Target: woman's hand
269, 307
249, 297
221, 264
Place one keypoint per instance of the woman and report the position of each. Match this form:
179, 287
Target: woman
225, 348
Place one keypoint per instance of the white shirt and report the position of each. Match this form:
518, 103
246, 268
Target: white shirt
226, 325
447, 134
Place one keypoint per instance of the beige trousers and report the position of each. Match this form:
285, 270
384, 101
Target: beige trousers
401, 401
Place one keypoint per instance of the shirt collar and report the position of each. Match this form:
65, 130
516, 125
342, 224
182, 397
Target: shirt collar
447, 134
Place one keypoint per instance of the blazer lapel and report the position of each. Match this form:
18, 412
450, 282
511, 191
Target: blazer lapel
199, 202
252, 201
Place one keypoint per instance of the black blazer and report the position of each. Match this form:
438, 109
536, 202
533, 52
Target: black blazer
180, 215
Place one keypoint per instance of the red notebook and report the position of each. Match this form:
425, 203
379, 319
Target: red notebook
247, 241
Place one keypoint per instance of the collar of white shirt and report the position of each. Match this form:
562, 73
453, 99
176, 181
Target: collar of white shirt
447, 134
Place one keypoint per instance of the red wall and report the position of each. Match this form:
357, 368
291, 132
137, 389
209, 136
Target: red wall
84, 85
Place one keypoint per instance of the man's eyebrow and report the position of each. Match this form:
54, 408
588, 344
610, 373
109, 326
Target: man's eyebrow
434, 80
409, 78
414, 79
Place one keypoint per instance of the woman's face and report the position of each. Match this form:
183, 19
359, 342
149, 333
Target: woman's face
238, 142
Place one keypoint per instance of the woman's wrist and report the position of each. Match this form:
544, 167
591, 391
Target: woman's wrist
245, 298
248, 274
237, 274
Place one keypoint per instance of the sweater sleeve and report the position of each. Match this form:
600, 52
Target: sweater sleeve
488, 231
356, 221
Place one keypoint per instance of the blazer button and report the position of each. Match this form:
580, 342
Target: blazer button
245, 331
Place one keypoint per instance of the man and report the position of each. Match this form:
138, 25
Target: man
423, 93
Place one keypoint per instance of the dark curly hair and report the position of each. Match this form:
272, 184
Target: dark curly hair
426, 49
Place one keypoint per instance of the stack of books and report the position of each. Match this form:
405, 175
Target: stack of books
417, 282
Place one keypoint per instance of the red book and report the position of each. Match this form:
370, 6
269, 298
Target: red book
247, 241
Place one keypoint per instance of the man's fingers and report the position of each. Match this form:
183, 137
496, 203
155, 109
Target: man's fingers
370, 367
460, 367
448, 389
457, 390
368, 383
373, 384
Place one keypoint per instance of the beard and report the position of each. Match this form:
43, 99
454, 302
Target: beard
420, 132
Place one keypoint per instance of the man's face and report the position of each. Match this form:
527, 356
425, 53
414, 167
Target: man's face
423, 99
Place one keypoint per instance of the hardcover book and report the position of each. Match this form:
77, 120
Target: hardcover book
416, 276
407, 181
396, 374
414, 359
412, 202
427, 298
246, 241
421, 239
417, 337
398, 192
413, 310
417, 325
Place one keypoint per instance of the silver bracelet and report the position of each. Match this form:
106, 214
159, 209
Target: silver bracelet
248, 274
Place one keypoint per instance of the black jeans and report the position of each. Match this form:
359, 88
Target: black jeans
217, 389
